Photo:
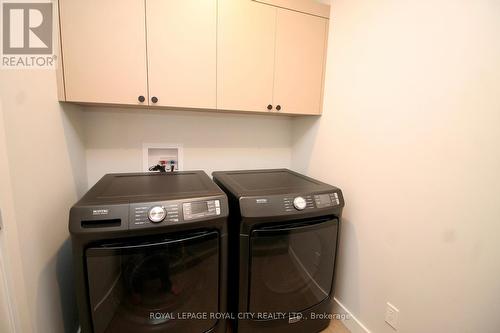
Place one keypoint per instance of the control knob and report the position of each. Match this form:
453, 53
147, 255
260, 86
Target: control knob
299, 203
157, 214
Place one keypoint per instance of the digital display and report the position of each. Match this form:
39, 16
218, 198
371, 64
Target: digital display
324, 198
199, 207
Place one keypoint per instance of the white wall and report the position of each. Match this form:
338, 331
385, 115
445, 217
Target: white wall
411, 134
114, 138
46, 164
14, 314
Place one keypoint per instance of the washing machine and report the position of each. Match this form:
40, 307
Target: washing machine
283, 239
150, 254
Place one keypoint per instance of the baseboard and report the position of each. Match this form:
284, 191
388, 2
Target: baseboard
352, 324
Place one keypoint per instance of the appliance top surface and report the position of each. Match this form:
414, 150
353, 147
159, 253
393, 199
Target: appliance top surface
268, 182
142, 187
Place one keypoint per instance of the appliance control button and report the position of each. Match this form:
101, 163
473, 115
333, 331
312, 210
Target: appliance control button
299, 203
157, 214
217, 211
217, 203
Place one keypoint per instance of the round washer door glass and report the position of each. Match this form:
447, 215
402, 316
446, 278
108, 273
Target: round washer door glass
148, 286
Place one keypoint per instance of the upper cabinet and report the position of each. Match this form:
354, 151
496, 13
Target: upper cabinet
245, 59
235, 55
300, 62
112, 52
270, 59
104, 51
181, 37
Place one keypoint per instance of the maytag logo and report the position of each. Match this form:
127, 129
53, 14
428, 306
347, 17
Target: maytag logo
261, 201
100, 212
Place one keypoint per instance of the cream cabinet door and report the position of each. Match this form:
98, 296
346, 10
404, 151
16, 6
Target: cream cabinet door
300, 62
182, 50
245, 58
104, 50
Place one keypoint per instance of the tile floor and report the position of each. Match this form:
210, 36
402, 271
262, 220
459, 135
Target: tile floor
336, 327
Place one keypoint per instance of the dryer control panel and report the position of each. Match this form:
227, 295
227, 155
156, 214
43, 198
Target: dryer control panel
292, 204
310, 201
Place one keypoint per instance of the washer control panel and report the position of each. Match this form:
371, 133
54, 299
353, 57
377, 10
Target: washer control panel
145, 214
151, 214
200, 209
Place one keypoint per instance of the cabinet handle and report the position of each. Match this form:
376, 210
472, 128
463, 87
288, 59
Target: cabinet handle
269, 107
278, 107
154, 99
141, 99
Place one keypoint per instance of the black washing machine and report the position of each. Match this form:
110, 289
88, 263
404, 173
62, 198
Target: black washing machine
150, 254
283, 238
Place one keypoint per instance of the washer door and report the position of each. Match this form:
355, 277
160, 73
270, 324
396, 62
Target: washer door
146, 286
291, 266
